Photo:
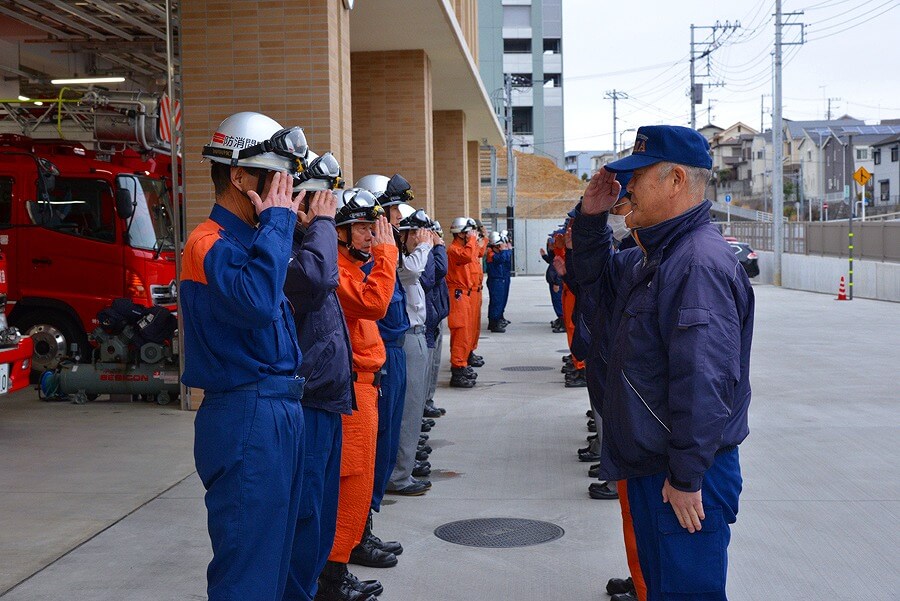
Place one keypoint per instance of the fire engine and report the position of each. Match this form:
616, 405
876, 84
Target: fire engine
81, 228
15, 349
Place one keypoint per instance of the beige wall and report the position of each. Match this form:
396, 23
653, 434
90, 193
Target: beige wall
451, 167
467, 15
288, 60
392, 119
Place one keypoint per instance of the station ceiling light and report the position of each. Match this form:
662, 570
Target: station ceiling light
86, 80
24, 98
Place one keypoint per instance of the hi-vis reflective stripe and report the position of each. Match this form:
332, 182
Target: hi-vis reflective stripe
645, 403
164, 108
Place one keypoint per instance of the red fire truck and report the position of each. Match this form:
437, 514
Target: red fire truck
79, 230
15, 349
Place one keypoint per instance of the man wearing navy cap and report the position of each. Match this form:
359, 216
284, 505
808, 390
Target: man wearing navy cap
674, 321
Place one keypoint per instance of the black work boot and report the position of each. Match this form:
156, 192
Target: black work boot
458, 378
430, 410
368, 554
337, 584
475, 360
496, 326
430, 403
470, 373
391, 546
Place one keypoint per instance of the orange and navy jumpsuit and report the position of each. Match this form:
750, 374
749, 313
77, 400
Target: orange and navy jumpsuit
364, 300
568, 305
460, 255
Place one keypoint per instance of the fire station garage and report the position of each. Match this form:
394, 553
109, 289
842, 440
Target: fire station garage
105, 106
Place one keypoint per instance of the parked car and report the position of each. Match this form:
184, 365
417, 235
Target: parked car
745, 254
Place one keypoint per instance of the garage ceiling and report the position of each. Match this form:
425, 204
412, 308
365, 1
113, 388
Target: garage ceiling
59, 38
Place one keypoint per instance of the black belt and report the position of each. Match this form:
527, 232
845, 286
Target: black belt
376, 377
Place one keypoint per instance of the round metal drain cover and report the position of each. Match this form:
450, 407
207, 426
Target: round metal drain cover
526, 368
499, 533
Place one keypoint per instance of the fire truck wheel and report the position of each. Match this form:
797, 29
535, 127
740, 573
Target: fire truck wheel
53, 333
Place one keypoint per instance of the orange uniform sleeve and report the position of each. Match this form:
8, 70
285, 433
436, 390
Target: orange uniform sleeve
370, 299
463, 254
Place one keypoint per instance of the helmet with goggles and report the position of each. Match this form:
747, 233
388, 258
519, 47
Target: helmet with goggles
321, 173
495, 239
504, 235
461, 225
412, 219
389, 191
254, 140
356, 205
436, 227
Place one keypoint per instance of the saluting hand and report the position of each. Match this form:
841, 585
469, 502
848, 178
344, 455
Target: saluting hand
382, 233
277, 194
322, 203
436, 240
601, 194
559, 264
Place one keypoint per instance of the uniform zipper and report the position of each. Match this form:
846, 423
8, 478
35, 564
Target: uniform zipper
645, 403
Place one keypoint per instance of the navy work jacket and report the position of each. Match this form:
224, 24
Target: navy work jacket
312, 280
437, 300
238, 327
674, 324
498, 266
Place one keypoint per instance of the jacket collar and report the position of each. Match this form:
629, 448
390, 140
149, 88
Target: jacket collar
233, 224
656, 238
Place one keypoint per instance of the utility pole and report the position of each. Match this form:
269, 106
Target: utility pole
510, 161
828, 114
615, 95
696, 91
778, 159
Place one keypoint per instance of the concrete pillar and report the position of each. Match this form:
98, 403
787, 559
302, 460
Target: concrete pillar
288, 60
451, 186
392, 122
474, 179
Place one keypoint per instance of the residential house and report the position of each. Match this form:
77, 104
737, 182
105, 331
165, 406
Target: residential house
886, 170
580, 162
732, 152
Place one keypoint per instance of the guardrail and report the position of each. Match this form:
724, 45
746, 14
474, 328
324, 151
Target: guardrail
873, 240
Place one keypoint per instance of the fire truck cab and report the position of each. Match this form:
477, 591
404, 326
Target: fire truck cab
79, 230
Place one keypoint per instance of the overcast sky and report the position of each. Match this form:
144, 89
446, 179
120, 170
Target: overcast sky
641, 47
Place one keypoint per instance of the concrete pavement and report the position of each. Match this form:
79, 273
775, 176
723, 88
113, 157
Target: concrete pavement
109, 489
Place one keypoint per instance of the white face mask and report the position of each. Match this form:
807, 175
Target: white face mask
620, 231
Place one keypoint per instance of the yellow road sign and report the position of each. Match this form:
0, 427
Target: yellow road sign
862, 176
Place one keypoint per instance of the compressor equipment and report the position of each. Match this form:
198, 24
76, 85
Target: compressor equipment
135, 352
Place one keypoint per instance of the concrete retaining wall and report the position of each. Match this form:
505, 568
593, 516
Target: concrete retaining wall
871, 279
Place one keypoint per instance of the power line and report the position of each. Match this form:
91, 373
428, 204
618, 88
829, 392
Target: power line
870, 18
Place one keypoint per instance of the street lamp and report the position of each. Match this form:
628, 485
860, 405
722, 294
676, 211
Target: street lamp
624, 131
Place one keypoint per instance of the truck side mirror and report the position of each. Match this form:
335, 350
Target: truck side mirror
124, 203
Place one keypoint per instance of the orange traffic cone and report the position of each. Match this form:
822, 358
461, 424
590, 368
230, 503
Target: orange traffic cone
842, 291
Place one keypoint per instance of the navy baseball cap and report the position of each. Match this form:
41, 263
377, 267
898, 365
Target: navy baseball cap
623, 177
665, 143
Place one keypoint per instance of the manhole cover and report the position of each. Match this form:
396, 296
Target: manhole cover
499, 533
526, 368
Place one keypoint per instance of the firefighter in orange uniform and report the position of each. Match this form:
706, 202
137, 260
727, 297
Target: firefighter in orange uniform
364, 299
461, 253
477, 296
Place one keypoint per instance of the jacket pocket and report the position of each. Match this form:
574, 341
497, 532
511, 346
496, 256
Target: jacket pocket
692, 563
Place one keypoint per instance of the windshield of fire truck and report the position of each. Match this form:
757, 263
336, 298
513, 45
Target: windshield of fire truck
152, 225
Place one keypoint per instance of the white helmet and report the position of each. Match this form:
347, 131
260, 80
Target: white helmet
322, 173
462, 225
253, 140
412, 219
436, 226
356, 205
504, 235
495, 238
389, 191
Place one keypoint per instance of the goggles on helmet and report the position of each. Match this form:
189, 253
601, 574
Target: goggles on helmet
322, 173
398, 190
418, 220
358, 206
289, 143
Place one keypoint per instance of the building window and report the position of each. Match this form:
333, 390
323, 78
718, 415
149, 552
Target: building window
885, 190
809, 154
894, 154
517, 46
862, 154
517, 16
523, 120
521, 80
553, 80
759, 154
876, 156
552, 46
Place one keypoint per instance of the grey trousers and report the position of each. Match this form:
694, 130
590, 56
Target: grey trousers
435, 353
417, 371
